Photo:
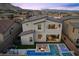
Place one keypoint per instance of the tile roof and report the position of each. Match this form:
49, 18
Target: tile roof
75, 25
33, 18
5, 24
60, 20
26, 32
70, 18
43, 16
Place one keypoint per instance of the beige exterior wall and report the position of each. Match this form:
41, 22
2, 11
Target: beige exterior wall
44, 30
77, 30
73, 20
43, 39
25, 40
30, 25
68, 30
71, 34
54, 31
27, 26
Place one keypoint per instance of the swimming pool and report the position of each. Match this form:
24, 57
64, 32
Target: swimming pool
63, 48
54, 51
33, 53
67, 54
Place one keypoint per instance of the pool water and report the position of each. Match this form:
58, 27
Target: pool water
33, 53
67, 54
54, 51
63, 48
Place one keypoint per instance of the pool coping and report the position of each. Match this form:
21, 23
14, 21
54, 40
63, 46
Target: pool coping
68, 52
72, 52
45, 51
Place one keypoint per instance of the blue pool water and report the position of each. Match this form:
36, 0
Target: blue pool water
33, 53
67, 54
63, 48
53, 51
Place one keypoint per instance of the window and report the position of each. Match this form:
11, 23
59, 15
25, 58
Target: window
11, 28
27, 24
59, 25
39, 26
51, 26
73, 30
57, 36
39, 36
30, 39
52, 37
10, 32
77, 41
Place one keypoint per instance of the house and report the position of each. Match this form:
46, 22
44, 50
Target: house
8, 31
21, 16
41, 29
7, 16
18, 18
36, 12
71, 29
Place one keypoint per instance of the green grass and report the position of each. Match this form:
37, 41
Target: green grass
25, 46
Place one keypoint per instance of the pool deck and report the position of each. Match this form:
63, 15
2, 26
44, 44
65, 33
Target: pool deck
55, 50
37, 47
51, 50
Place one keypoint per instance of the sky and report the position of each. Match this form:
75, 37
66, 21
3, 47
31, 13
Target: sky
39, 6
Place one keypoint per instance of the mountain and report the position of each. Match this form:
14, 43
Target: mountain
8, 6
55, 10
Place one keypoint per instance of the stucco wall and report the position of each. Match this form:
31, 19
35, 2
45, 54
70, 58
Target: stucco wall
26, 41
68, 30
44, 29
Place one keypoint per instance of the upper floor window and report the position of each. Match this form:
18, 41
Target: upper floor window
27, 24
39, 36
51, 26
59, 25
39, 26
73, 30
77, 41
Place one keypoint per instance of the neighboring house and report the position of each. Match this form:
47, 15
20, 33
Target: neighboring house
36, 12
18, 18
71, 29
8, 31
41, 29
7, 16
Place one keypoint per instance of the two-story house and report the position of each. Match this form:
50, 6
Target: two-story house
41, 29
71, 29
